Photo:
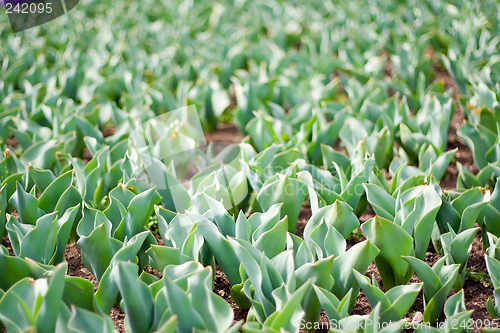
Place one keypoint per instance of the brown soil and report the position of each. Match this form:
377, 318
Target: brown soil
304, 216
476, 261
118, 317
368, 214
108, 131
87, 157
12, 142
226, 132
6, 243
222, 287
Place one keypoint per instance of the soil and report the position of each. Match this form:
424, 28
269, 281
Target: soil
118, 317
226, 132
12, 142
76, 266
87, 156
6, 244
222, 287
304, 216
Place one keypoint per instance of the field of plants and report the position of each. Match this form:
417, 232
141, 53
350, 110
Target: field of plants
252, 166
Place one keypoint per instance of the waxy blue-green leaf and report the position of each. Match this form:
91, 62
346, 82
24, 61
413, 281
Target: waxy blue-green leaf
457, 249
438, 282
26, 205
335, 309
395, 303
291, 192
393, 242
137, 297
41, 154
221, 249
83, 320
140, 209
339, 215
108, 290
42, 178
97, 250
34, 304
319, 275
359, 257
54, 190
382, 203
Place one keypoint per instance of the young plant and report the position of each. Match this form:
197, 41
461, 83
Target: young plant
438, 281
285, 318
264, 275
393, 242
46, 241
187, 298
458, 319
395, 303
457, 249
462, 211
414, 210
289, 191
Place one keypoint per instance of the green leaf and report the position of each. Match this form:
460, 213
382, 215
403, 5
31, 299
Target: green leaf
83, 321
359, 257
393, 243
137, 297
290, 192
26, 205
46, 201
383, 204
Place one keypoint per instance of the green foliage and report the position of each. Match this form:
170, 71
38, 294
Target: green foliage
438, 282
102, 120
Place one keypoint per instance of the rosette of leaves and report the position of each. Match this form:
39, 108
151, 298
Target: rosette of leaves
430, 163
283, 189
428, 126
327, 229
102, 173
457, 317
457, 249
362, 64
481, 137
58, 195
272, 277
412, 206
127, 214
410, 61
393, 242
181, 301
395, 303
288, 310
42, 304
251, 96
44, 242
12, 170
438, 281
492, 258
351, 173
211, 99
460, 210
183, 242
481, 108
100, 253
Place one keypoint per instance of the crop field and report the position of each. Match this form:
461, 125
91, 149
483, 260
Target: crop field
252, 166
